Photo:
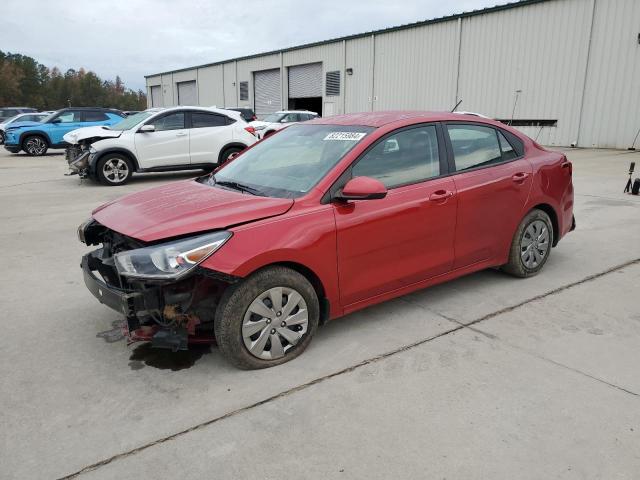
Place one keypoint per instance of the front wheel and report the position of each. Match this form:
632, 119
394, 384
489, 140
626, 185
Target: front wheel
268, 319
35, 145
531, 245
114, 169
1, 137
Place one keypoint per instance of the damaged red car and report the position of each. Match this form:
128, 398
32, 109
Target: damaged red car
320, 220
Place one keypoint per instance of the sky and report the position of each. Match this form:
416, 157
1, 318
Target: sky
134, 38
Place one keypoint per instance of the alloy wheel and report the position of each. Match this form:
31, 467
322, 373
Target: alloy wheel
274, 323
534, 245
35, 146
115, 170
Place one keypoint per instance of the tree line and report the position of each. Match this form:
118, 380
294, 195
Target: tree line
26, 83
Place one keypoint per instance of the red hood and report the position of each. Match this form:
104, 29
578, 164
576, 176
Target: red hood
184, 207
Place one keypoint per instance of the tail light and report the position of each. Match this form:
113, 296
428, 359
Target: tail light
251, 130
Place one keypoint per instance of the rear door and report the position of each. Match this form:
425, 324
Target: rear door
209, 132
493, 180
93, 118
407, 236
168, 145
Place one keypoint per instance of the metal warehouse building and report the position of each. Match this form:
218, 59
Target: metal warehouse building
566, 71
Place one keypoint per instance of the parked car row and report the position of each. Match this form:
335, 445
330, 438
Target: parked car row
158, 140
317, 221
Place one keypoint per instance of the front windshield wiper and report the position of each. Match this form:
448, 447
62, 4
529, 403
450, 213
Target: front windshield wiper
236, 186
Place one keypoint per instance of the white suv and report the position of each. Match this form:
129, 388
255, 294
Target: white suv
281, 119
157, 140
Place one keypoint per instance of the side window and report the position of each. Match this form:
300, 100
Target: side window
204, 120
69, 117
508, 152
409, 156
290, 117
173, 121
95, 116
474, 146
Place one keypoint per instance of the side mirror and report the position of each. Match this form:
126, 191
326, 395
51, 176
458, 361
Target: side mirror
362, 188
147, 128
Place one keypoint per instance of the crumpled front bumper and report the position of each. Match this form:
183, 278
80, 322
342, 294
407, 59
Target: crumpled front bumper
120, 300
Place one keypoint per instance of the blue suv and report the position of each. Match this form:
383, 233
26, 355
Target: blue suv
35, 138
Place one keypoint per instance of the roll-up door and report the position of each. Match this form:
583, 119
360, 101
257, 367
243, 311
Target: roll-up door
187, 93
305, 81
267, 90
156, 96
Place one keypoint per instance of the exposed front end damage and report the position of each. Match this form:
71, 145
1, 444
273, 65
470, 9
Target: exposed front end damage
170, 314
78, 152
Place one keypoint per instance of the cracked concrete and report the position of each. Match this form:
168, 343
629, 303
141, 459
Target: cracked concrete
484, 377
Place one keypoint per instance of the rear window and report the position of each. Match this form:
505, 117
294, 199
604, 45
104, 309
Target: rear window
95, 116
204, 120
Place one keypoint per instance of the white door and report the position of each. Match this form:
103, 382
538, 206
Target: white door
187, 93
208, 134
267, 90
167, 145
156, 96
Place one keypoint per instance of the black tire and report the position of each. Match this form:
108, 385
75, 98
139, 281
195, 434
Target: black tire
1, 138
234, 305
120, 166
227, 153
522, 262
35, 145
269, 133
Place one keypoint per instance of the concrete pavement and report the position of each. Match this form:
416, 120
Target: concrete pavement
484, 377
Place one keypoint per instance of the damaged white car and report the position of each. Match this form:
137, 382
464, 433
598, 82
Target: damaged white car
157, 140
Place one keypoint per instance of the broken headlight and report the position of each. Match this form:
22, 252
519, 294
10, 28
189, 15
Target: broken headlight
169, 261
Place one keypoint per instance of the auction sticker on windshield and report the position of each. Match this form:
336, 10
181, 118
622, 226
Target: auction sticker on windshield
348, 136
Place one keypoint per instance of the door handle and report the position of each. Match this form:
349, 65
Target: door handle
181, 134
520, 177
440, 195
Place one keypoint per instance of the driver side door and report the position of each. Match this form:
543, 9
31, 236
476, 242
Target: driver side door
167, 145
63, 124
408, 236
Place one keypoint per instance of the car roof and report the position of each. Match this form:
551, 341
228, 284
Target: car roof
296, 111
378, 119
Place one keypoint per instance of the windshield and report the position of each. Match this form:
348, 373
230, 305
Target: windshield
130, 122
274, 117
290, 163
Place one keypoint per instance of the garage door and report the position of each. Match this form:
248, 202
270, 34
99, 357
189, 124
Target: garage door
187, 93
266, 85
156, 96
305, 81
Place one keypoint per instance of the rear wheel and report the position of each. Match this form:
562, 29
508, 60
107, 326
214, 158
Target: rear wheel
229, 154
531, 245
35, 145
114, 169
1, 137
268, 319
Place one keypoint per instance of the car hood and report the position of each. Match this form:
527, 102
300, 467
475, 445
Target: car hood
182, 208
259, 123
97, 133
23, 124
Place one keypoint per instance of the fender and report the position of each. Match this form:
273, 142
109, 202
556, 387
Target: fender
42, 133
94, 161
230, 145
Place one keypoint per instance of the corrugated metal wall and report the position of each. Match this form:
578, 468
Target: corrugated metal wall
574, 61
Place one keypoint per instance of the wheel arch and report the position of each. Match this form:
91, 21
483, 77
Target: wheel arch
31, 133
549, 210
228, 146
125, 151
314, 280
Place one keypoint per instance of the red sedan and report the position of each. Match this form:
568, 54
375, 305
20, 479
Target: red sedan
320, 220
